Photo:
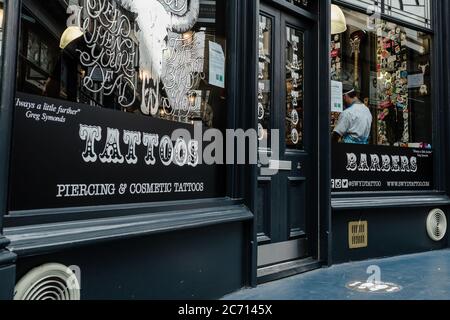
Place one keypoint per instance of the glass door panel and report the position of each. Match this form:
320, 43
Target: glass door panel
265, 78
294, 88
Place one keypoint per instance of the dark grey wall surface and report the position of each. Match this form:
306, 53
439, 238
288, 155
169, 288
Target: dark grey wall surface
194, 264
7, 283
7, 270
391, 232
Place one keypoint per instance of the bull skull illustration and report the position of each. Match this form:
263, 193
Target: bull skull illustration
169, 51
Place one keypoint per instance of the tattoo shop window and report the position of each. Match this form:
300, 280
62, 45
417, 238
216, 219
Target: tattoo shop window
156, 58
381, 84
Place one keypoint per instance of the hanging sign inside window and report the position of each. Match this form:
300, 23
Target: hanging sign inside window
416, 80
365, 168
337, 102
216, 65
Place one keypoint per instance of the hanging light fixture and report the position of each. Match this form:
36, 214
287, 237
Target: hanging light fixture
70, 34
338, 21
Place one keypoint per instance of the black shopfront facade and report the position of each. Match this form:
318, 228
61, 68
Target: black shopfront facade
97, 193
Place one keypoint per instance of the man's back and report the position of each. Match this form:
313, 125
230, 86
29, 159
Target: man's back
355, 124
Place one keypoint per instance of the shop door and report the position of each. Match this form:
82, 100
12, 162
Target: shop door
287, 192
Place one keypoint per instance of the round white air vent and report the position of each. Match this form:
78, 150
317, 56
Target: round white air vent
437, 225
48, 282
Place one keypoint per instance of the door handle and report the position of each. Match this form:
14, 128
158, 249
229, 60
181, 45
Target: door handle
280, 165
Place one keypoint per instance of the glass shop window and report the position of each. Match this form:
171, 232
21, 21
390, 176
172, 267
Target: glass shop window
387, 68
157, 58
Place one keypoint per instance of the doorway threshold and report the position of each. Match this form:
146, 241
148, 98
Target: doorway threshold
287, 269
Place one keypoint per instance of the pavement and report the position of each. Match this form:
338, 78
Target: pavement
424, 276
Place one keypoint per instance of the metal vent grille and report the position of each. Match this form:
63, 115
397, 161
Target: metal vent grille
358, 234
437, 225
48, 282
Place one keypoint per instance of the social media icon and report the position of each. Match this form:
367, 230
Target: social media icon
345, 184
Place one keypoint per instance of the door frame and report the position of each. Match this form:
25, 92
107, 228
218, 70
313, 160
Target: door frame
319, 230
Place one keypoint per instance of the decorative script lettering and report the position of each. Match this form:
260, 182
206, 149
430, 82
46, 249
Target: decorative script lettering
182, 72
111, 52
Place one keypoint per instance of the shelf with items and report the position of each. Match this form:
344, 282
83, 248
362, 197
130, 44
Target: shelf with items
393, 116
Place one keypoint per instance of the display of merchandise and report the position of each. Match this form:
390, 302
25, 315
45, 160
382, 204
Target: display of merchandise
336, 70
393, 119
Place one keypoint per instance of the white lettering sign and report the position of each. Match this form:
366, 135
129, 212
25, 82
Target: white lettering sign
393, 163
180, 152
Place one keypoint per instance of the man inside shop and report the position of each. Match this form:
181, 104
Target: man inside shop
355, 123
